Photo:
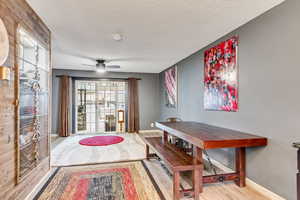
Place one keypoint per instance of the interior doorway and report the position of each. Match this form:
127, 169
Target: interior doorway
101, 106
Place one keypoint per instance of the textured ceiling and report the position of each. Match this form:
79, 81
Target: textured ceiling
157, 33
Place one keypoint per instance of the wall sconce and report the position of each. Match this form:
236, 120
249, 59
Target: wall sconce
4, 73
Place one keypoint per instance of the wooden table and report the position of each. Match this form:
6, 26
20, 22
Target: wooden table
204, 136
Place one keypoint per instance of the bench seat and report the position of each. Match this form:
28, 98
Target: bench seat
174, 157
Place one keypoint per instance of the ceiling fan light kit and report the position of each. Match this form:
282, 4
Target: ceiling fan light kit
100, 70
102, 67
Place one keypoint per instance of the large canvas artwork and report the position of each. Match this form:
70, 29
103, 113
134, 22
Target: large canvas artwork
170, 83
221, 77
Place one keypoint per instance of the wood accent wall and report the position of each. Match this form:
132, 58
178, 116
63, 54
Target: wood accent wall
13, 13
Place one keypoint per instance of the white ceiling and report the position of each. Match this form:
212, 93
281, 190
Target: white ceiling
157, 33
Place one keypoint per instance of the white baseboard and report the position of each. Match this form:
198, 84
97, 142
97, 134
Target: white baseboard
54, 135
150, 131
39, 186
262, 190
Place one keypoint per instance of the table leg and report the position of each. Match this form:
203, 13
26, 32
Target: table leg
298, 186
165, 138
196, 181
298, 177
240, 165
147, 152
176, 186
198, 158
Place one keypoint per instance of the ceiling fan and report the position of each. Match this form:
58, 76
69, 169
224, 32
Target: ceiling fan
102, 67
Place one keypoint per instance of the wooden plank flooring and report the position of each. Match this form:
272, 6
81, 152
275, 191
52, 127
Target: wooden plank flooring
220, 191
228, 191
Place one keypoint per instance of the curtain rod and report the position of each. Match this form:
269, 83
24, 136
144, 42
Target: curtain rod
97, 78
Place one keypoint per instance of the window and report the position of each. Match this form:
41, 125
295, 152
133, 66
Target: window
98, 103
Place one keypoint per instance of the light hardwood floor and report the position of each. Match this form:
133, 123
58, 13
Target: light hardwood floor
220, 191
228, 191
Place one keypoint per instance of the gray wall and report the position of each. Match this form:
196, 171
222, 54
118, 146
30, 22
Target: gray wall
148, 94
268, 96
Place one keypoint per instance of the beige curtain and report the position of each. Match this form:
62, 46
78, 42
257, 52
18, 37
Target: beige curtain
64, 103
133, 106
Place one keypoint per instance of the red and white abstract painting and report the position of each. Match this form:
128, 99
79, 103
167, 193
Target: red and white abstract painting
170, 83
221, 76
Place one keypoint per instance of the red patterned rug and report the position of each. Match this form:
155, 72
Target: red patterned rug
101, 140
117, 181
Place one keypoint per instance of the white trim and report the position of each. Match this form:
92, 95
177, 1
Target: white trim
150, 131
263, 190
260, 189
39, 186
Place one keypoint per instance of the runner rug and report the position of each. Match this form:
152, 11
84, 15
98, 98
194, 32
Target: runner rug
117, 181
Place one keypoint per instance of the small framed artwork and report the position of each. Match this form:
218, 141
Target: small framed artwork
170, 85
221, 76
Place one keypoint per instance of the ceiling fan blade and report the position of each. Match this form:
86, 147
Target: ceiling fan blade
88, 65
113, 66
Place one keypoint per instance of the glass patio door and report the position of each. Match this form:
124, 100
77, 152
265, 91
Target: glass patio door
100, 106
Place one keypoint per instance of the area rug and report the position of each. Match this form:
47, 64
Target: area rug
116, 181
101, 140
68, 151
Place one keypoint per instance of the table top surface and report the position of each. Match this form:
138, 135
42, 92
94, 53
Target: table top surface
208, 137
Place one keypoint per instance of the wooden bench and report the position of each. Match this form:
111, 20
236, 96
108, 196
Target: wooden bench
177, 161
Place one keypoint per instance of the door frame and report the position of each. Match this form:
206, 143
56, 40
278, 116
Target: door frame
75, 111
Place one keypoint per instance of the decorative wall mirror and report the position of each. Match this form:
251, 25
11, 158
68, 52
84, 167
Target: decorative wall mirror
32, 109
4, 43
4, 51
